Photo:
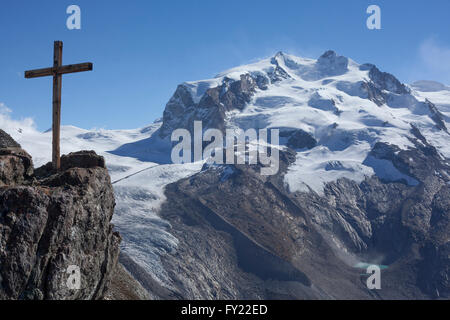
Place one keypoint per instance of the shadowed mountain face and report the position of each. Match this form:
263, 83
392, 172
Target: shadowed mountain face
246, 236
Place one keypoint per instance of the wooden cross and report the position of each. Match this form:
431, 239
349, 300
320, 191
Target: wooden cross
57, 71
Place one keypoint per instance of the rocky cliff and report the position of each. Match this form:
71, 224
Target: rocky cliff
53, 225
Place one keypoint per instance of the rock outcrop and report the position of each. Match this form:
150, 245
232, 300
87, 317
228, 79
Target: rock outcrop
6, 141
181, 111
54, 224
16, 165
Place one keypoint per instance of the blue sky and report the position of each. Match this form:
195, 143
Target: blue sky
142, 50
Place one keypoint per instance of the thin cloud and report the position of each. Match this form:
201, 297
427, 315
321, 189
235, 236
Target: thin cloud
16, 128
435, 56
4, 110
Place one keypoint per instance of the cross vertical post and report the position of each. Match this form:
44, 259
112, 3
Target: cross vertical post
57, 83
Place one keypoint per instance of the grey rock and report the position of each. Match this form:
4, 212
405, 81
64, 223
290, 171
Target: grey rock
278, 73
16, 166
429, 86
125, 287
373, 93
330, 64
437, 116
6, 141
179, 104
298, 139
245, 237
50, 223
181, 111
146, 287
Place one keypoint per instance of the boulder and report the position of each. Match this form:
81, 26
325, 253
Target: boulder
56, 229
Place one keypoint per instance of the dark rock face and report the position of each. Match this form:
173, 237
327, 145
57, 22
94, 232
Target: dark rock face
331, 64
437, 116
125, 287
407, 226
278, 73
6, 141
52, 221
298, 139
380, 83
386, 81
16, 166
247, 237
132, 282
81, 159
181, 111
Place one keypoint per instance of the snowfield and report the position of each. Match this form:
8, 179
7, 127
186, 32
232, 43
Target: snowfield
326, 98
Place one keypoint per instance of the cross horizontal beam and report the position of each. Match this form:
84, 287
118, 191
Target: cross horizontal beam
71, 68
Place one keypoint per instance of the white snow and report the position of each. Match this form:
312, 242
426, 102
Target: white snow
316, 167
145, 235
334, 109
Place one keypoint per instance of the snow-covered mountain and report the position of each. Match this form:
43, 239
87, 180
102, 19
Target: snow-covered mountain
334, 104
337, 115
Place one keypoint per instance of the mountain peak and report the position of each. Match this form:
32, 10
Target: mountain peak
333, 63
328, 54
279, 54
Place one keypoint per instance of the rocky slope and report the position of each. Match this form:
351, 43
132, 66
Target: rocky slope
364, 180
247, 237
50, 221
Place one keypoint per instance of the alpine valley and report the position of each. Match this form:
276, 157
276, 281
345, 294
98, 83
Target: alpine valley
364, 178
